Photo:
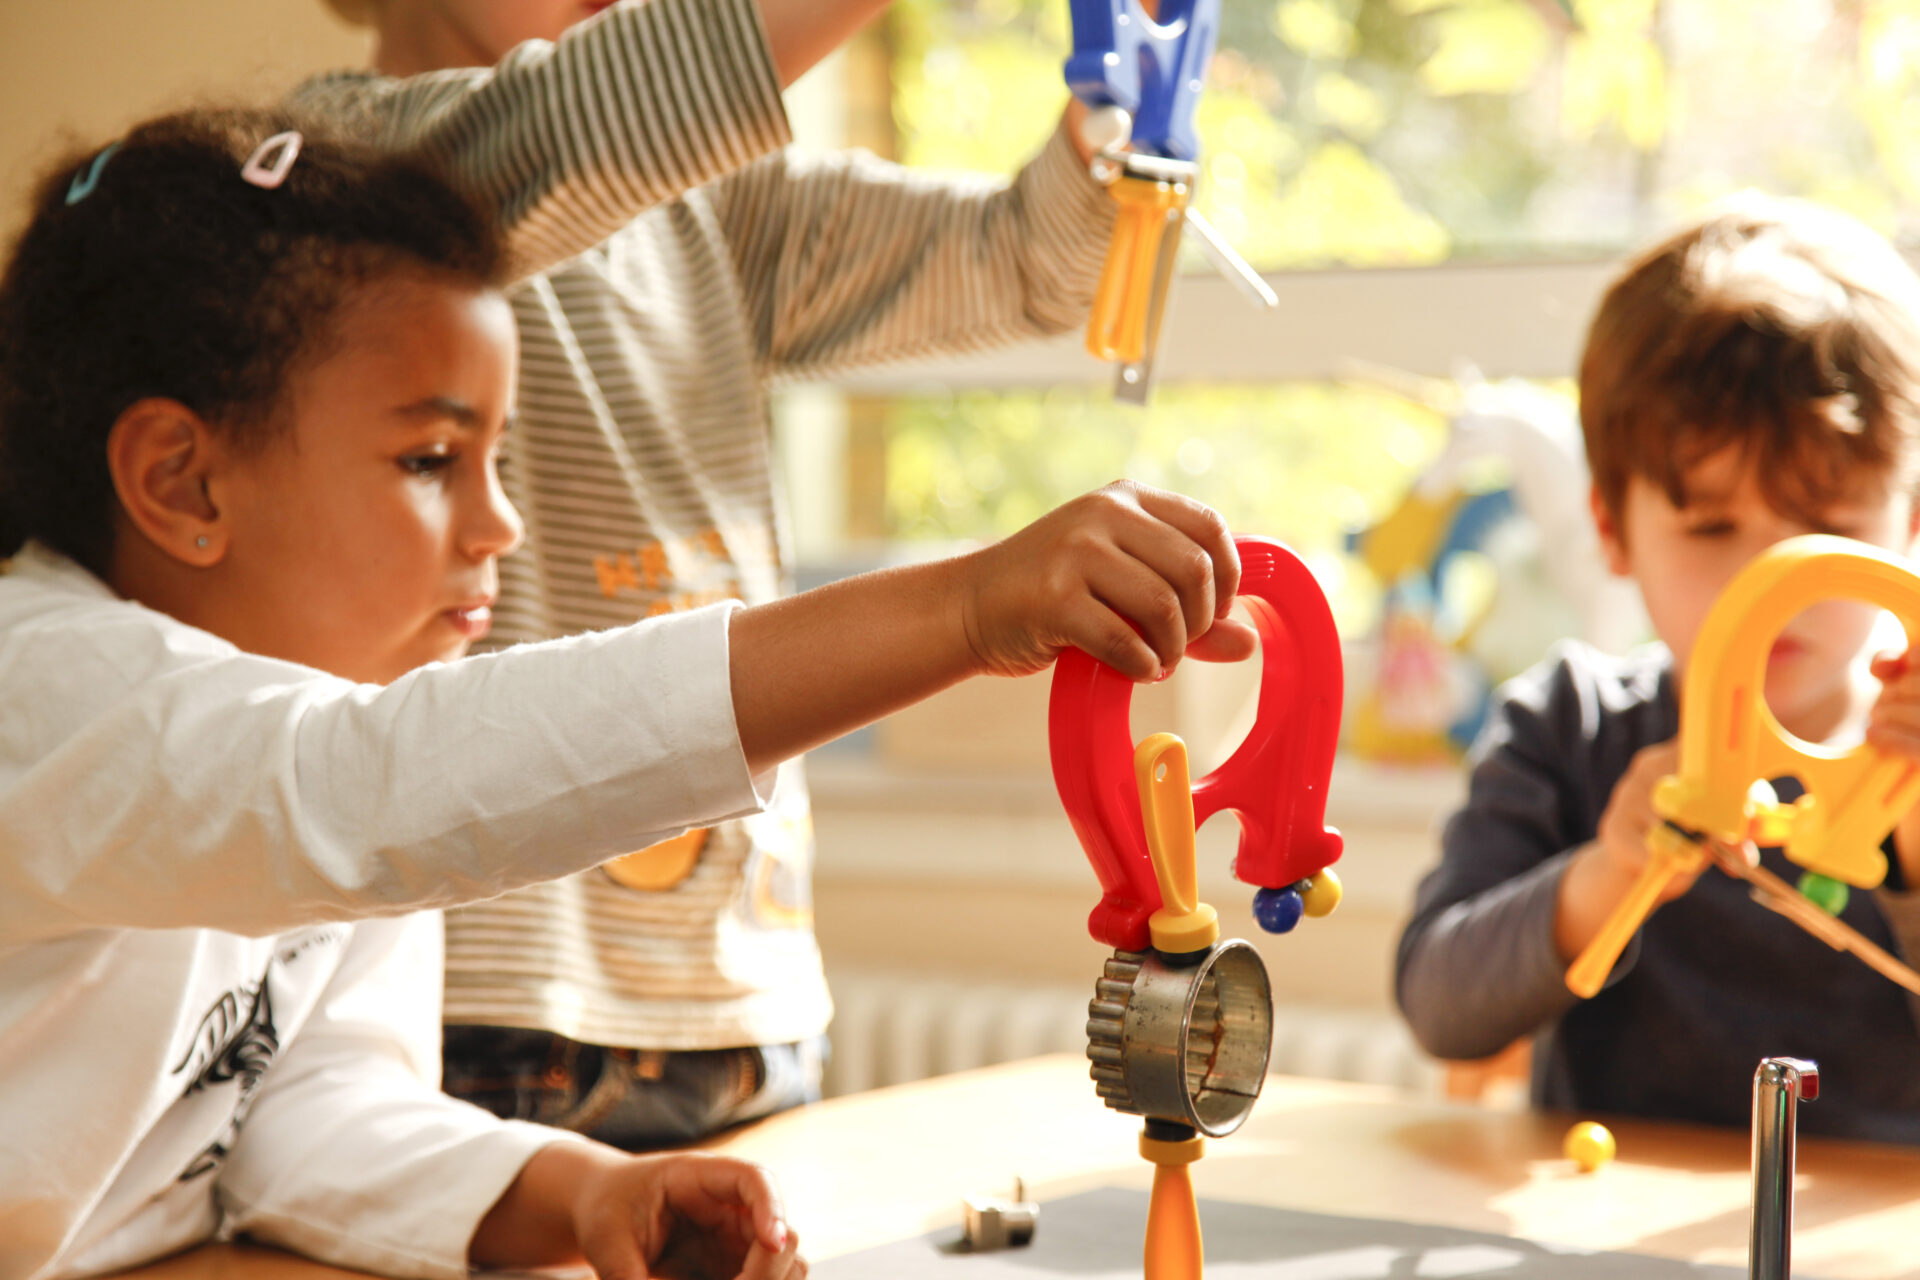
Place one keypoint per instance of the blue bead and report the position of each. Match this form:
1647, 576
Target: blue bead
1278, 910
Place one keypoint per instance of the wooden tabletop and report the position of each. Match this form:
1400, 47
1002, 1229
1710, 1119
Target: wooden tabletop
882, 1166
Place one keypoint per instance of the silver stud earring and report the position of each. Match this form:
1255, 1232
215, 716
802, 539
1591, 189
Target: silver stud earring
200, 541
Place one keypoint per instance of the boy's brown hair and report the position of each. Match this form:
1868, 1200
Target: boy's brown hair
1783, 328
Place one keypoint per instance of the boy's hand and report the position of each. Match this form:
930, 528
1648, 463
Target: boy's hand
1079, 576
1621, 841
686, 1216
1601, 874
1894, 727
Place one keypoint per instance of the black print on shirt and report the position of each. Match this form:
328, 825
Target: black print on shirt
236, 1040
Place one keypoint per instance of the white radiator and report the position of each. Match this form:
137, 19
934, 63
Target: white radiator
890, 1029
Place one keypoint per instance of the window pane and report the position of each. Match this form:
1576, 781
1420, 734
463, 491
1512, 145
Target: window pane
1303, 462
1370, 132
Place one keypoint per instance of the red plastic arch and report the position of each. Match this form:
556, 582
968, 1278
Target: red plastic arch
1275, 782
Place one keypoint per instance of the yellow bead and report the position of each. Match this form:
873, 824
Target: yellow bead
1322, 894
1589, 1145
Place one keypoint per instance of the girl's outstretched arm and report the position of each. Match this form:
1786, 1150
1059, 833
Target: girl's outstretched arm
177, 782
1131, 574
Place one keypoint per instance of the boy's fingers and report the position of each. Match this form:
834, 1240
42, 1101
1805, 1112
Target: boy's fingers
1658, 759
1895, 713
1900, 739
1897, 684
1204, 526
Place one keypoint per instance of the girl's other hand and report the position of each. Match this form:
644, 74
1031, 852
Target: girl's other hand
683, 1216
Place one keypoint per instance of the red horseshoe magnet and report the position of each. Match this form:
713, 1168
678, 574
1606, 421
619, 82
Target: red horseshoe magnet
1275, 783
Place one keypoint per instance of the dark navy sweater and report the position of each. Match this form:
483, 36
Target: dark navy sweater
1713, 982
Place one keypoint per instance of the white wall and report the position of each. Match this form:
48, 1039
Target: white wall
78, 71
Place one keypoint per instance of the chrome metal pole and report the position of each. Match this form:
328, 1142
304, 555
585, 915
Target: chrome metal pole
1778, 1087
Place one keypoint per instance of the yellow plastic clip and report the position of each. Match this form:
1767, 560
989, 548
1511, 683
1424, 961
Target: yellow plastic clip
1669, 853
1183, 923
1729, 737
1730, 742
1117, 329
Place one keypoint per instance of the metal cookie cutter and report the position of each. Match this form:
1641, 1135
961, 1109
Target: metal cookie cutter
1183, 1039
1779, 1086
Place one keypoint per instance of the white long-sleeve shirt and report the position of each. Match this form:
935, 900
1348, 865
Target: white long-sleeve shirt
195, 1040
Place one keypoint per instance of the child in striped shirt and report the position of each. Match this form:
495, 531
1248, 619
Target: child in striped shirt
673, 259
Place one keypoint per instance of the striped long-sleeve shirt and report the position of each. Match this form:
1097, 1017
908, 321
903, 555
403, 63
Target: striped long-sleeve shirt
677, 258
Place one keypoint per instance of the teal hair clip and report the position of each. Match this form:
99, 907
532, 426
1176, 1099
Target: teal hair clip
83, 183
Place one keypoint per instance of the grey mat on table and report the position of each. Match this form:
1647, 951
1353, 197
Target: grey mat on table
1097, 1236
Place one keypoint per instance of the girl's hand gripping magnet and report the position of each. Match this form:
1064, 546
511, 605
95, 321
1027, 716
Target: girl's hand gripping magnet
1275, 782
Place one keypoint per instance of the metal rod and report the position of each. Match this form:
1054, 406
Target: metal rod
1778, 1087
1775, 894
1231, 264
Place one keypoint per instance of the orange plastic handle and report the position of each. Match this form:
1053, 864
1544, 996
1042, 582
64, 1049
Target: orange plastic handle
1173, 1247
1183, 924
1117, 329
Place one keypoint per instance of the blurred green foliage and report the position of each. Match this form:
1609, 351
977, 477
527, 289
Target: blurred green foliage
1369, 132
1389, 132
1299, 462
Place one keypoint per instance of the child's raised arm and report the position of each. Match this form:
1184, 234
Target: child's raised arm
811, 667
845, 260
568, 141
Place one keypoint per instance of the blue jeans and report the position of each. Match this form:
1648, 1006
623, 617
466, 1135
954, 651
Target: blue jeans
636, 1099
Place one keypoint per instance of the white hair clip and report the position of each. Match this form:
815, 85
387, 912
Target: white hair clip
271, 161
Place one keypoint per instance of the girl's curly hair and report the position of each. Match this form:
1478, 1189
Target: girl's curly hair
174, 277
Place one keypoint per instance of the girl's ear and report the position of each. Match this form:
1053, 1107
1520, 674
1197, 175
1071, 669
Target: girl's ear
162, 455
1612, 545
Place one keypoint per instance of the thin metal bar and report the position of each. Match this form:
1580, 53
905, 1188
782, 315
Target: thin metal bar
1775, 894
1778, 1086
1230, 264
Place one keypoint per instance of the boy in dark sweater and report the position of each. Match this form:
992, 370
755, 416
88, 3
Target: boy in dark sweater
1754, 377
